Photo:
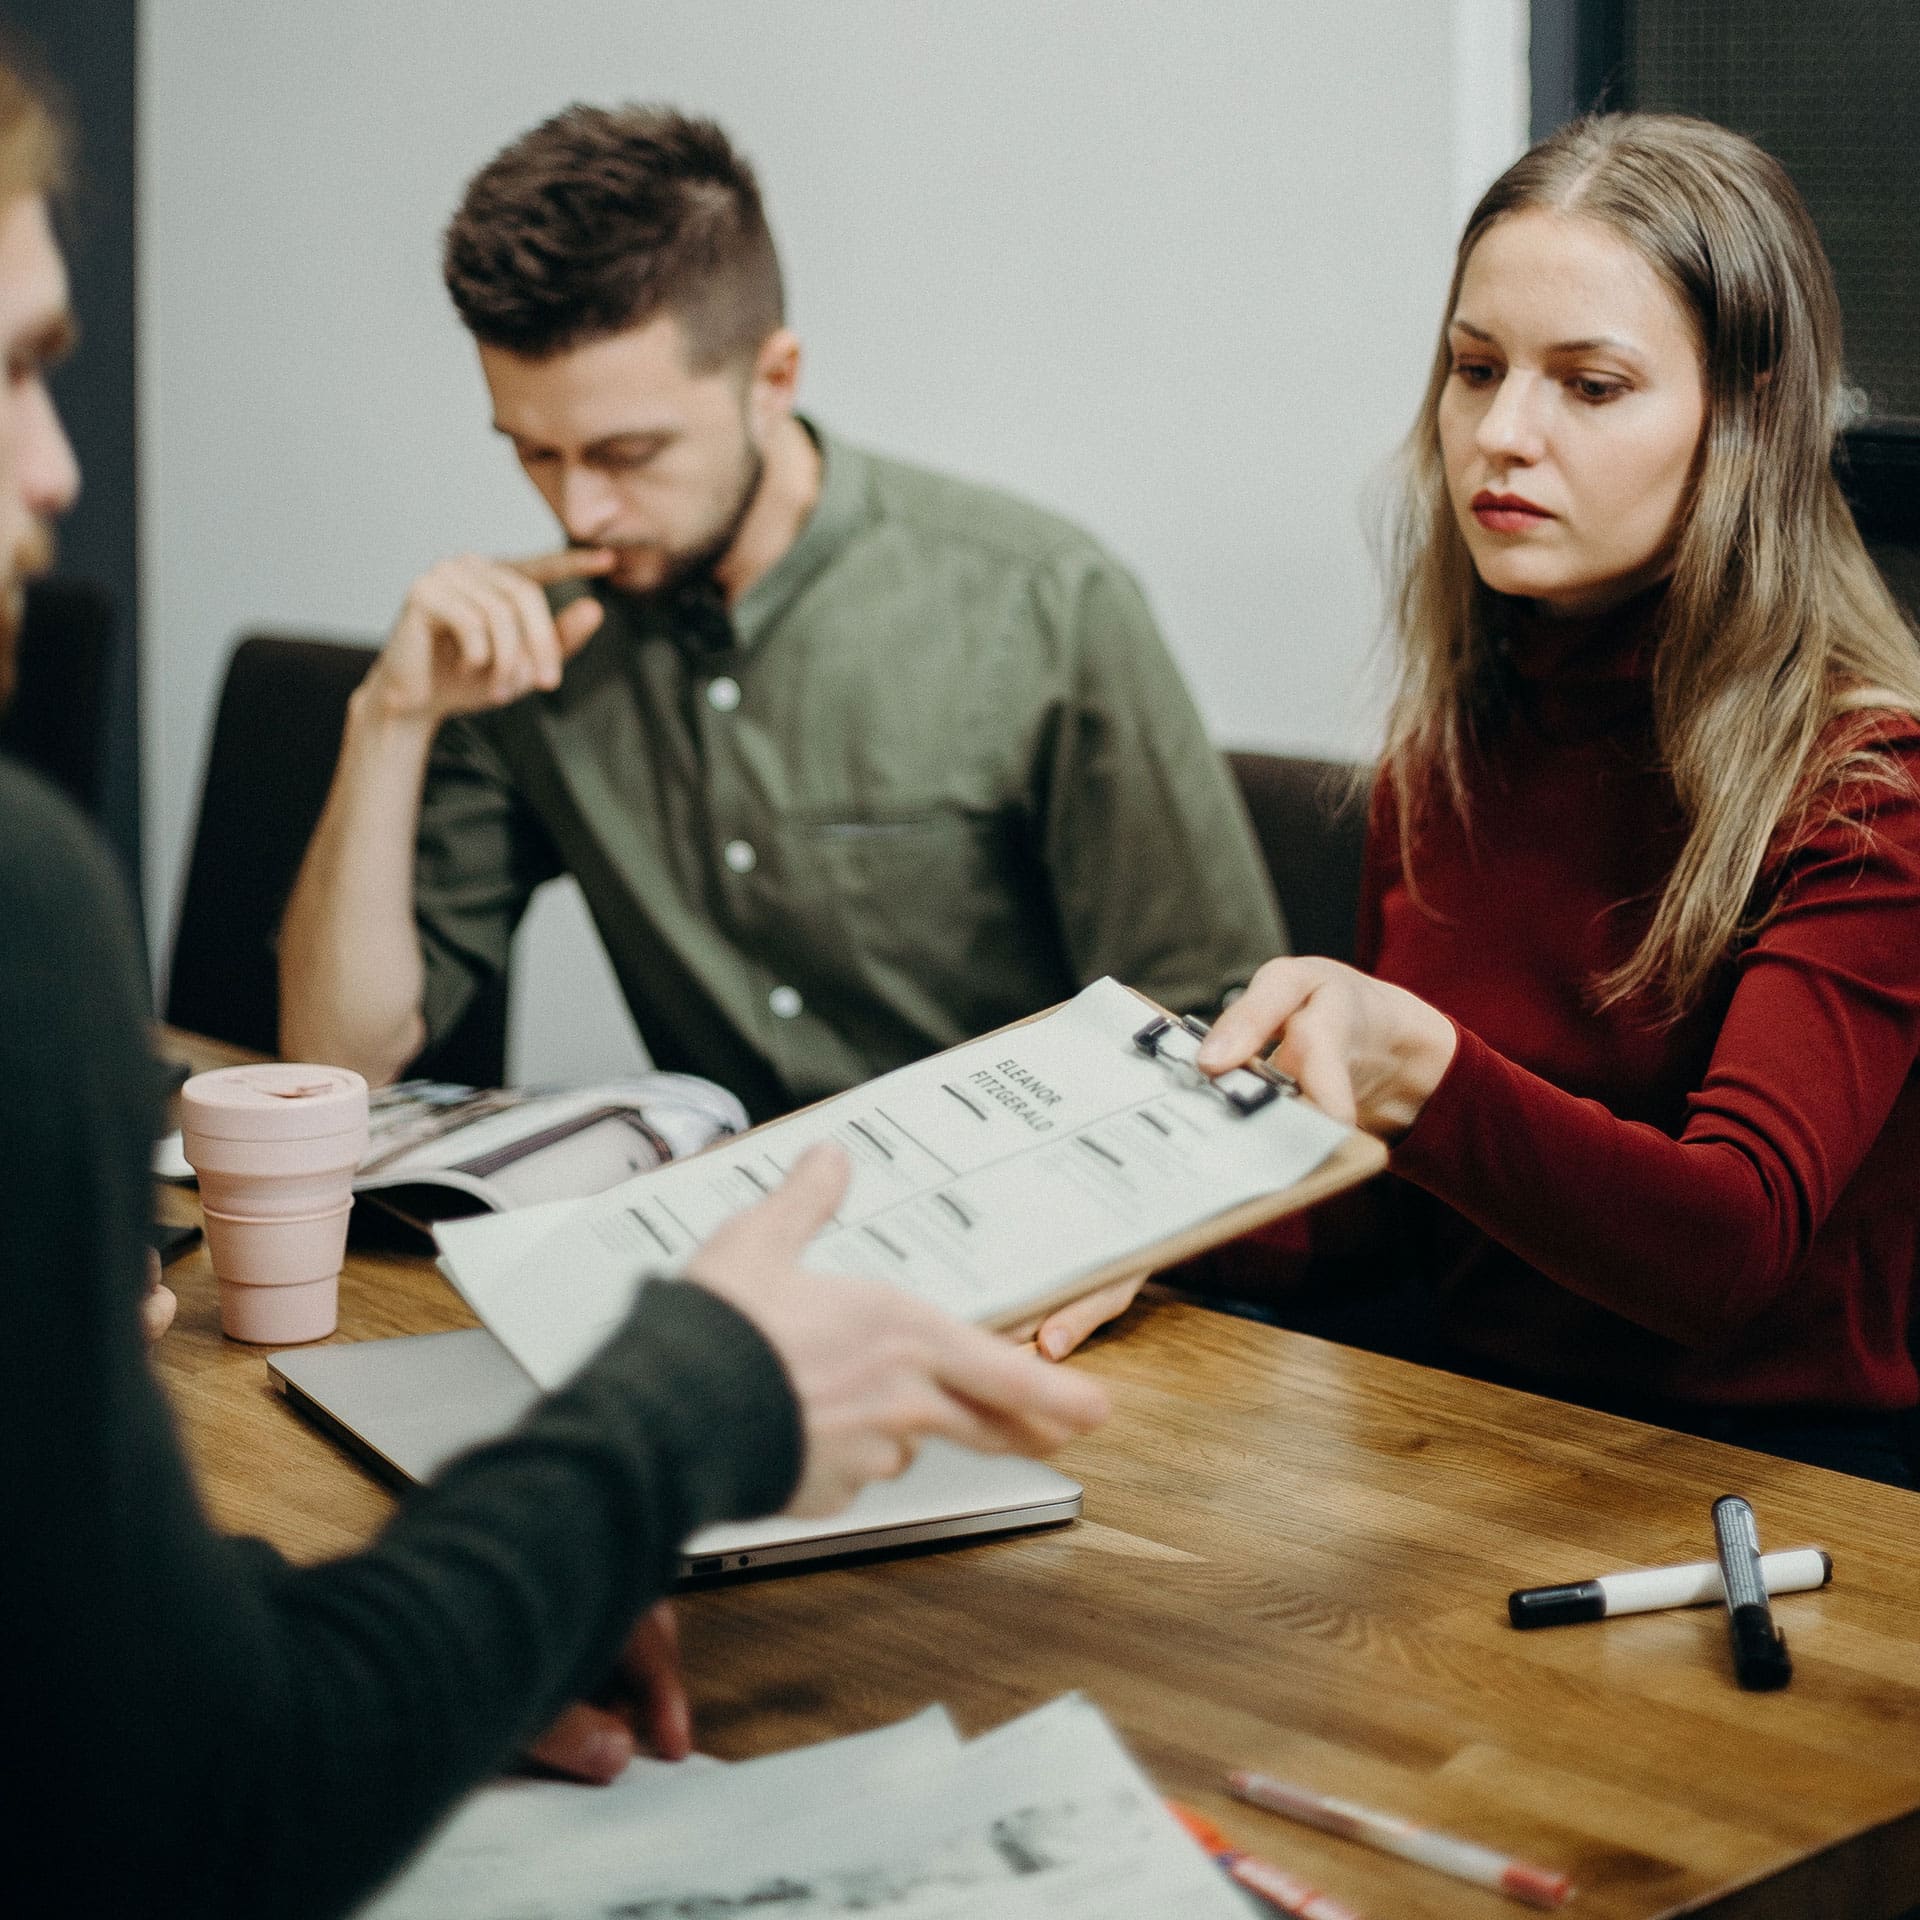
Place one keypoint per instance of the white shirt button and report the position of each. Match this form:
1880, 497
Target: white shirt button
785, 1002
723, 694
740, 857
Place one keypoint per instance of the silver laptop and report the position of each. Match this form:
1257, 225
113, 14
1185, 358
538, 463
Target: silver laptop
405, 1407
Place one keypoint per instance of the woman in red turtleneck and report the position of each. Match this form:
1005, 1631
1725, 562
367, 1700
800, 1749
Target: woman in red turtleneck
1640, 931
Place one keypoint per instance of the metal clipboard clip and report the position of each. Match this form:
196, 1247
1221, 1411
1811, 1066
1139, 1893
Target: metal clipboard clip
1176, 1043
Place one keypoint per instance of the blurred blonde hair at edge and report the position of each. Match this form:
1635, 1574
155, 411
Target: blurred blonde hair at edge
33, 138
1775, 619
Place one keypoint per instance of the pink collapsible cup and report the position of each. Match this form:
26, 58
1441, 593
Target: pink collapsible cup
275, 1147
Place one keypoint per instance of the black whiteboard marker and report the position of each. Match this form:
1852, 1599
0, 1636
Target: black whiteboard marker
1760, 1657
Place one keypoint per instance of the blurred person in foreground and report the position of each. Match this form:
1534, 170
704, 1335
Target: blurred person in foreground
197, 1726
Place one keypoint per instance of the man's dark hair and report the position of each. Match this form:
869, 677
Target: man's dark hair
603, 217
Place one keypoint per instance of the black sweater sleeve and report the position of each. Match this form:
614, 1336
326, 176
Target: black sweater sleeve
196, 1726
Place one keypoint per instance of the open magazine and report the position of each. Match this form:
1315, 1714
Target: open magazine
436, 1151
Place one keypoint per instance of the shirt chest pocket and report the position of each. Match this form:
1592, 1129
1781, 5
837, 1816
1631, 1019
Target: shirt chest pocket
930, 898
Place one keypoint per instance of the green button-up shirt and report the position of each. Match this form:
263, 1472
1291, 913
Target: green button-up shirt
939, 774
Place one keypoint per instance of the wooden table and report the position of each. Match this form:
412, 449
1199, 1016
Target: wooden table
1296, 1557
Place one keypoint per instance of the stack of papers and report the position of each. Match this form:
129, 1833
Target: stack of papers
1043, 1818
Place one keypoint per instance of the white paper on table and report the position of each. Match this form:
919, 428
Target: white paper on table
524, 1849
1047, 1818
985, 1179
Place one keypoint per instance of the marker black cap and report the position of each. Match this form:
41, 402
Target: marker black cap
1760, 1661
1557, 1606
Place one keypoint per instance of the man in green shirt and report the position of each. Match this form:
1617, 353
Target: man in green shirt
851, 761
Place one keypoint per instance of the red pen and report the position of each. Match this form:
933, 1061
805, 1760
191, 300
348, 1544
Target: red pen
1280, 1889
1464, 1859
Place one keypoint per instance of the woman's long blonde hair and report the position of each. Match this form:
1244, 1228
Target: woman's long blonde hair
1775, 620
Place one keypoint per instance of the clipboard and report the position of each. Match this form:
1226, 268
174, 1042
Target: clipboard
552, 1282
1357, 1158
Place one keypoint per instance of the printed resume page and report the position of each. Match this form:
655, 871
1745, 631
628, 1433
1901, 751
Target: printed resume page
987, 1179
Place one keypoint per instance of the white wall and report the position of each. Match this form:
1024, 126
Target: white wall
1171, 268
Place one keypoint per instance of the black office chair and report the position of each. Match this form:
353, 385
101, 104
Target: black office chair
57, 719
1880, 474
275, 740
1310, 822
1899, 564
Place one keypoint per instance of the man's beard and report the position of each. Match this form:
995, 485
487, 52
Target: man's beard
693, 564
33, 555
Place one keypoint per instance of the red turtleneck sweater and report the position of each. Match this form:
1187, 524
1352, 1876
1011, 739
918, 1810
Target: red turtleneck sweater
1725, 1211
